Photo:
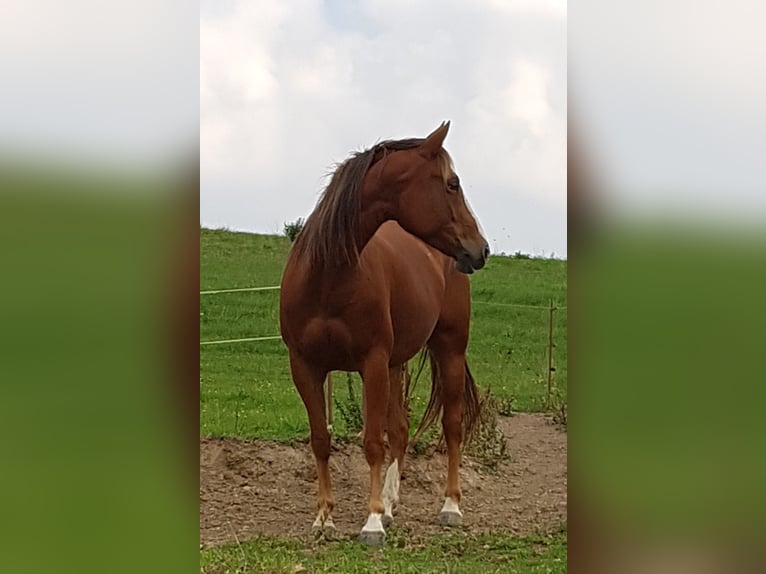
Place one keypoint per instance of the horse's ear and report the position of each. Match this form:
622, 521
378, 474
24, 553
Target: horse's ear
433, 143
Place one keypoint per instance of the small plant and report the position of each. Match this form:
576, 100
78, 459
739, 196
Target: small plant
520, 255
489, 446
240, 397
429, 442
560, 415
291, 230
350, 409
505, 406
432, 439
557, 407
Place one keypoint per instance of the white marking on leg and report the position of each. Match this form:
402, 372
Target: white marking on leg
391, 484
323, 520
451, 506
391, 490
388, 513
374, 523
319, 522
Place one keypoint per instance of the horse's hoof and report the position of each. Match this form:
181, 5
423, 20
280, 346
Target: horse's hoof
326, 530
450, 518
372, 537
388, 519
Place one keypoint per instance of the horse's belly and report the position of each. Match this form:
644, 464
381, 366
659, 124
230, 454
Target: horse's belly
413, 324
408, 344
416, 303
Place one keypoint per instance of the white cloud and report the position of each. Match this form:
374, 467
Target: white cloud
528, 99
289, 88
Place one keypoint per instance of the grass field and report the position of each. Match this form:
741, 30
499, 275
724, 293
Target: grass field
448, 553
246, 389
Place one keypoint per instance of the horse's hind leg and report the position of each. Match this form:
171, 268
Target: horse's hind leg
310, 384
375, 377
397, 428
450, 362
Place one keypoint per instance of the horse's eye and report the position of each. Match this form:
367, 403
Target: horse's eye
454, 185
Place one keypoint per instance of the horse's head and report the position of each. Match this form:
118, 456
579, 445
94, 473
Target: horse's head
429, 202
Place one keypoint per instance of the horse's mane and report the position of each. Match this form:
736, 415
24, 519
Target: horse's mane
330, 232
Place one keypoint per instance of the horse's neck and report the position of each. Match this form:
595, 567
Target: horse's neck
371, 220
324, 275
375, 211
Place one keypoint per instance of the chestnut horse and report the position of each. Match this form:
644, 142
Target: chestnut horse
378, 273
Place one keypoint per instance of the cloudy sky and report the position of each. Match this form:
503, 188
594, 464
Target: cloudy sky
287, 89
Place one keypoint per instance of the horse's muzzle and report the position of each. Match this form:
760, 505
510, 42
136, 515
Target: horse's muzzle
468, 262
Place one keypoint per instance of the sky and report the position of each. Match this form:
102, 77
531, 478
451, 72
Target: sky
289, 89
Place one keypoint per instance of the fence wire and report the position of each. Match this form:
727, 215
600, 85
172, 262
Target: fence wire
276, 287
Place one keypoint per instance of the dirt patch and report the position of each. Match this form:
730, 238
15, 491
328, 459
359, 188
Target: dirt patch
249, 488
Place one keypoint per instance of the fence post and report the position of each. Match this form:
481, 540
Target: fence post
551, 309
329, 402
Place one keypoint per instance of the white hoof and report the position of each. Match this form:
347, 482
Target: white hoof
450, 514
372, 532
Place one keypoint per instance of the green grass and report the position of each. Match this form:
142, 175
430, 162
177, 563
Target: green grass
450, 553
246, 389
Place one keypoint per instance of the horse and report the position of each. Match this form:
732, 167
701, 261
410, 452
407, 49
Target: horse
378, 273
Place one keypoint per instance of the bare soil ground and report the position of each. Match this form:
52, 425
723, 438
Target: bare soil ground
250, 488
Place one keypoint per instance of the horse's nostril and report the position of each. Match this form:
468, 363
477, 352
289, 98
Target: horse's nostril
486, 251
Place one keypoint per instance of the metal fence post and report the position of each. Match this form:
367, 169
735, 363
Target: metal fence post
551, 309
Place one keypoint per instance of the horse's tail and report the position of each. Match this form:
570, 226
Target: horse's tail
435, 407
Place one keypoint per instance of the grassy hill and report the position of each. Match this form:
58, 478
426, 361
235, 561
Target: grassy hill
246, 389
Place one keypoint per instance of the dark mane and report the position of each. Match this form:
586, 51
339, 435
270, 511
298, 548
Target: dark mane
329, 235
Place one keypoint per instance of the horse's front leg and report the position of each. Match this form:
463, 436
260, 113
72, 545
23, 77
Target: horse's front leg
375, 378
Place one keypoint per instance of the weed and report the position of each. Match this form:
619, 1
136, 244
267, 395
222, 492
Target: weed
505, 406
560, 415
429, 441
291, 230
350, 409
488, 446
